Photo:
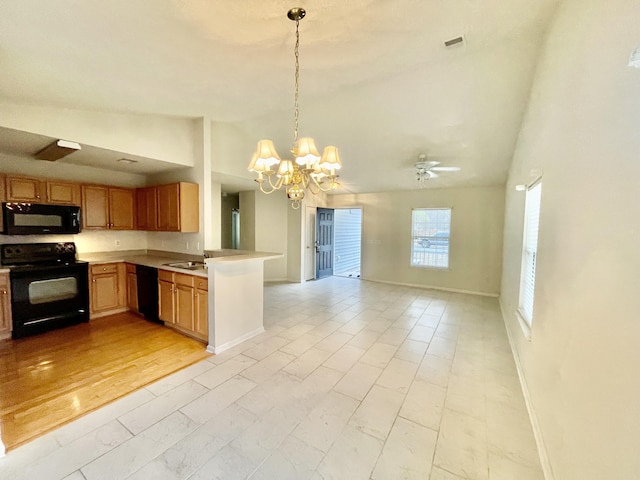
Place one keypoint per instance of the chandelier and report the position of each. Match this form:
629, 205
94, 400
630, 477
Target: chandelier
308, 171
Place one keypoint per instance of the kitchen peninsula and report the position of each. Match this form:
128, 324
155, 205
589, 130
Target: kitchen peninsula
234, 294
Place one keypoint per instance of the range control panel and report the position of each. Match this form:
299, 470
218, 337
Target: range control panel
18, 253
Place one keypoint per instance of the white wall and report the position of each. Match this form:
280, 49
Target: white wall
476, 237
66, 171
582, 131
162, 138
271, 232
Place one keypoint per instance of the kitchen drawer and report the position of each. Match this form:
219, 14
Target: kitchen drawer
104, 268
131, 268
183, 279
165, 275
202, 283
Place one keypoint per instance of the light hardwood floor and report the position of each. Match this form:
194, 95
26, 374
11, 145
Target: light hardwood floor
53, 378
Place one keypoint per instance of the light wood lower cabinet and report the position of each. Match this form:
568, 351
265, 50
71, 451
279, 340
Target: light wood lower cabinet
5, 306
201, 317
132, 288
183, 302
107, 289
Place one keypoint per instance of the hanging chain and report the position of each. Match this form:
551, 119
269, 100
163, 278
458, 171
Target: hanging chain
296, 113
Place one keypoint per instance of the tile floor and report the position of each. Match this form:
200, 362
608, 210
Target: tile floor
351, 380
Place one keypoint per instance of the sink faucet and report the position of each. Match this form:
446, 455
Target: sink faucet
205, 255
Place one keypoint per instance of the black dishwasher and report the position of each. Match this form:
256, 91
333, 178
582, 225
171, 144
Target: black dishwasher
148, 292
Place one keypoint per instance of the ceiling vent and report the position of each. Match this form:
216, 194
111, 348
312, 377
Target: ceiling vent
454, 41
57, 150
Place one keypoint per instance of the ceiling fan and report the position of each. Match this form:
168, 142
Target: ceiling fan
428, 169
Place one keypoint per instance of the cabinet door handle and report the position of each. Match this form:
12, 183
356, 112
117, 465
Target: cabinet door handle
4, 292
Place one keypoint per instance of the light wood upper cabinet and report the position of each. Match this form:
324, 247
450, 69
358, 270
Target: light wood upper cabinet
122, 208
38, 190
95, 207
63, 193
5, 305
108, 208
178, 207
24, 189
147, 208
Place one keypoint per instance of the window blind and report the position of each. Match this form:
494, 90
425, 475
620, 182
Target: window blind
530, 250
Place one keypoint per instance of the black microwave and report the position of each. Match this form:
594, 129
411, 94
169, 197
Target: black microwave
39, 219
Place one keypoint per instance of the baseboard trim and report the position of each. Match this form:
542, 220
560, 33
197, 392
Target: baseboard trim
431, 287
535, 425
234, 342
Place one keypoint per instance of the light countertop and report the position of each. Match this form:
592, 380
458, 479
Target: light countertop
159, 259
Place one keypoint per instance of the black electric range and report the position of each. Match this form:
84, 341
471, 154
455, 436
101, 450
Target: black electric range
49, 286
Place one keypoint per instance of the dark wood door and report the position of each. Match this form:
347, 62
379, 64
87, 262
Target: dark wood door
324, 242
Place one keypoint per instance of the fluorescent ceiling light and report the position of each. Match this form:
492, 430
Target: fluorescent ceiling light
57, 150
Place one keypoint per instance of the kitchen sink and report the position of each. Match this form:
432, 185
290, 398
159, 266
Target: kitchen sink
187, 265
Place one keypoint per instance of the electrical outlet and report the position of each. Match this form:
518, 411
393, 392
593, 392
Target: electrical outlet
198, 246
186, 245
117, 243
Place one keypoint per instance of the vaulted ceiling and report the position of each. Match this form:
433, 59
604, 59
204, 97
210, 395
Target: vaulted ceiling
376, 78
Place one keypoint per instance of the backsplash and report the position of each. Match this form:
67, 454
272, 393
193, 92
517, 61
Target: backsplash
89, 240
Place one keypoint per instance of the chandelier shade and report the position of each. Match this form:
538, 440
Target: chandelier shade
306, 152
330, 159
266, 153
308, 170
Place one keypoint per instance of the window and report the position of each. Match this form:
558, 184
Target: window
529, 252
430, 229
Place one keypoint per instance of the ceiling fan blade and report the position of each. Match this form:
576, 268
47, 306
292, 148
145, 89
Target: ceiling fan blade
446, 169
